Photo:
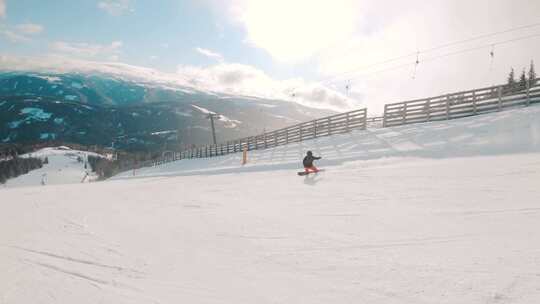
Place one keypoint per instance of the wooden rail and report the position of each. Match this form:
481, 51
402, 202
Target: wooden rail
443, 107
335, 124
331, 125
461, 104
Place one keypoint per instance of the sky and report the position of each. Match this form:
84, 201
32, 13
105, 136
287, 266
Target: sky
327, 54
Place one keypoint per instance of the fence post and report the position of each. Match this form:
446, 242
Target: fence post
428, 109
448, 107
347, 127
315, 129
528, 93
404, 114
265, 142
384, 116
287, 136
474, 102
499, 93
276, 138
329, 126
365, 119
244, 155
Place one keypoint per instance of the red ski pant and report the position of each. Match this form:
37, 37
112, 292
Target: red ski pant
311, 169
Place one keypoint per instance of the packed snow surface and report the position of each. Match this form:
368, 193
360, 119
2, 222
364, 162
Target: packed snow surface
444, 212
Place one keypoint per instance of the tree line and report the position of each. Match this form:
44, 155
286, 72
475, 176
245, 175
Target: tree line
17, 166
524, 79
106, 168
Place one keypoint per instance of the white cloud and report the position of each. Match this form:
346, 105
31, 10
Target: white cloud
88, 50
210, 54
29, 28
21, 32
153, 57
13, 36
294, 31
341, 35
401, 28
2, 8
115, 7
242, 79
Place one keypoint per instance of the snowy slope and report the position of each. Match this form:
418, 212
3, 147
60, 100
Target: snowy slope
63, 168
436, 213
502, 133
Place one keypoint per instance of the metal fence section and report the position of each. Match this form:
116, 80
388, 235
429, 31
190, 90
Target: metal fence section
461, 104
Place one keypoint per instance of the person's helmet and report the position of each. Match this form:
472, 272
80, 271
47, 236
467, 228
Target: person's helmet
309, 153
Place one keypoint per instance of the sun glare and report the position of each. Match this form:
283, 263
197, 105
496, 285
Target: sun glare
292, 31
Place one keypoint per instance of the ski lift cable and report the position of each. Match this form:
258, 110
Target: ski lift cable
334, 78
330, 79
449, 54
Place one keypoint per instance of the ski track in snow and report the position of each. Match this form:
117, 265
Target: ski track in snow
446, 212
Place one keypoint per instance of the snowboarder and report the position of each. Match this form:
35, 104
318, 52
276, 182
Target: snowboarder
308, 163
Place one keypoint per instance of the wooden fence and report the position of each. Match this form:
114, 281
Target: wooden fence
443, 107
331, 125
335, 124
461, 104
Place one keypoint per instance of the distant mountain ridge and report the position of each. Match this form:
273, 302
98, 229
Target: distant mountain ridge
108, 110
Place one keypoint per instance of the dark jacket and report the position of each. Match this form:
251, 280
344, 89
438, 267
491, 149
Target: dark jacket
308, 160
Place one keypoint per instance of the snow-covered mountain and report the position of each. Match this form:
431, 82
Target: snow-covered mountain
97, 108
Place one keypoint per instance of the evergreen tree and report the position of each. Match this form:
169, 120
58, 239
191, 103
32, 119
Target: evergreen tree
532, 74
511, 79
523, 80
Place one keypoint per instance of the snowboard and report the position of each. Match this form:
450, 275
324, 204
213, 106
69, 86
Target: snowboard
303, 173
